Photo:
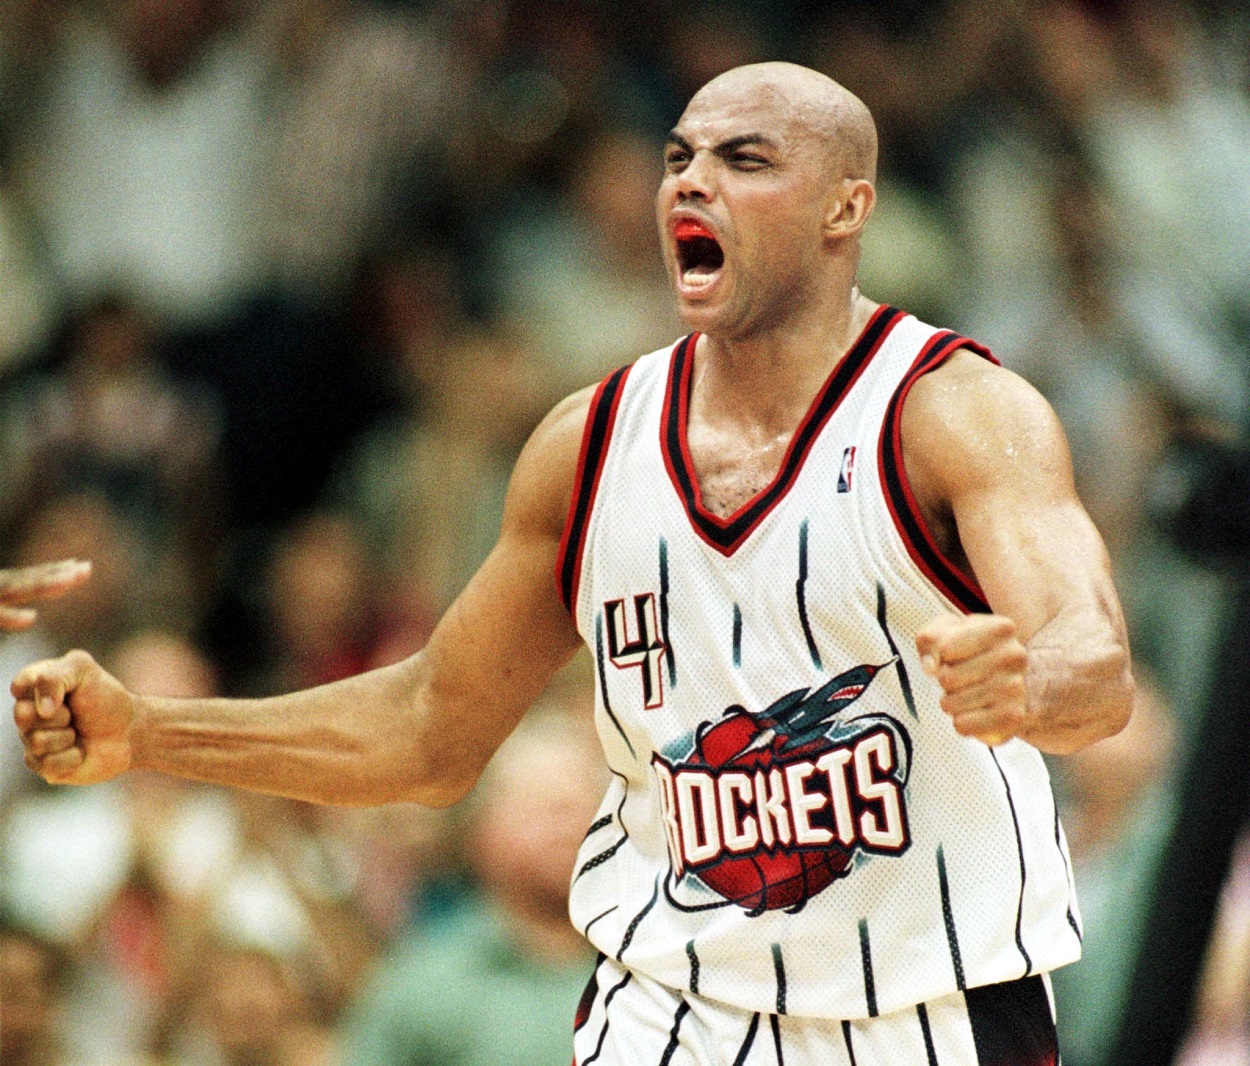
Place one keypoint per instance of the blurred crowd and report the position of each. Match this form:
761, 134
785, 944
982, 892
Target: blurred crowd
285, 284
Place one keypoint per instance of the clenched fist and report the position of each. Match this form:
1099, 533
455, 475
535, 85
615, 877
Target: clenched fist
75, 720
980, 664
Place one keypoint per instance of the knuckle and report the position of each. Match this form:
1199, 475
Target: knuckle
1016, 657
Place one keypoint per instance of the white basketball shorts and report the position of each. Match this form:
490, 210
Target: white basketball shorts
627, 1019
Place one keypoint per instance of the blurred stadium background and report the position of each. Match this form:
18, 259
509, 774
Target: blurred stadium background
284, 284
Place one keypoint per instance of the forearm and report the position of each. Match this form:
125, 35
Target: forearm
354, 742
1078, 680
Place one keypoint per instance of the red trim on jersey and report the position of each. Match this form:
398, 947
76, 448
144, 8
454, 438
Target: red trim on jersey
956, 584
728, 534
596, 436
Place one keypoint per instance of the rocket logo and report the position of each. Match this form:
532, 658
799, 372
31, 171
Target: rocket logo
769, 809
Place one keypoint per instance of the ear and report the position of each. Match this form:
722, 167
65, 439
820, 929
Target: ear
849, 209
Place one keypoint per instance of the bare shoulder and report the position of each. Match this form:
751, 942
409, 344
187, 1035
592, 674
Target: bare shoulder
970, 423
542, 481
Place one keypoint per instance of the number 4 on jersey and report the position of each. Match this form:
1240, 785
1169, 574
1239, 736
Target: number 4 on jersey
644, 650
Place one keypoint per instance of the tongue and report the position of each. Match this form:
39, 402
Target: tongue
686, 229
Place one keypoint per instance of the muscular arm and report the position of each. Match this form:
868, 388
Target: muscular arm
990, 467
420, 730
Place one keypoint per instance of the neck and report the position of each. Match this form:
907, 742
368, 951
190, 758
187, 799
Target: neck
768, 379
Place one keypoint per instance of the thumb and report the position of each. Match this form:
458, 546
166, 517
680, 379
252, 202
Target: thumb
930, 638
49, 682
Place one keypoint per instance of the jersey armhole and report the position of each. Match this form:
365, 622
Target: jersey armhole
956, 584
597, 434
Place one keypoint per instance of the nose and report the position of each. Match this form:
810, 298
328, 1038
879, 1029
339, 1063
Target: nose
696, 180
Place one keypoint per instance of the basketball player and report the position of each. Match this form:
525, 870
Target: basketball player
25, 585
840, 594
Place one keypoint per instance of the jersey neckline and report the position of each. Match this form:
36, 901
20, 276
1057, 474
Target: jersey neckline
728, 534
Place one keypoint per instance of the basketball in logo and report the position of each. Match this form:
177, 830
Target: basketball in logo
786, 797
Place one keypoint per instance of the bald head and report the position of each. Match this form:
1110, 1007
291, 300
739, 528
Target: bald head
838, 122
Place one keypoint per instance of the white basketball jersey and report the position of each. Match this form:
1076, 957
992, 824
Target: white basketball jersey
794, 825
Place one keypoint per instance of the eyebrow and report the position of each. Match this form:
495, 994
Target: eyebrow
726, 147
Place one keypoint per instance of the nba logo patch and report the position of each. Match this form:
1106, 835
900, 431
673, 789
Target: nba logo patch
847, 470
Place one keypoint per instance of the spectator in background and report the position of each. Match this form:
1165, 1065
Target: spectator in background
114, 422
140, 161
1115, 798
1165, 125
33, 972
580, 274
318, 602
364, 94
1135, 90
1220, 1034
246, 1007
29, 296
507, 966
425, 485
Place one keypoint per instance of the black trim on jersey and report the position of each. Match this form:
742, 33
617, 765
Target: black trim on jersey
694, 966
948, 916
1012, 1024
598, 860
800, 593
674, 1041
602, 823
603, 1033
601, 662
779, 968
589, 994
590, 924
637, 920
1015, 822
865, 956
737, 636
727, 534
903, 680
668, 644
594, 452
595, 861
775, 1022
741, 1057
961, 588
846, 1039
923, 1014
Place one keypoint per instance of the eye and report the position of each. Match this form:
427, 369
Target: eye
676, 158
748, 161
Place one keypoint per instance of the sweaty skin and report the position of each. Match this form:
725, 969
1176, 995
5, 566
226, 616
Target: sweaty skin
775, 164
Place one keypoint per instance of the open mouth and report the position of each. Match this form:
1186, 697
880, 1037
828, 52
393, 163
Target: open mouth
699, 254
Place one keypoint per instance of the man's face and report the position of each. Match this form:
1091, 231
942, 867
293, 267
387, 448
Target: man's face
740, 206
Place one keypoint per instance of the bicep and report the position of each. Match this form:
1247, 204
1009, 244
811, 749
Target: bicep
997, 456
